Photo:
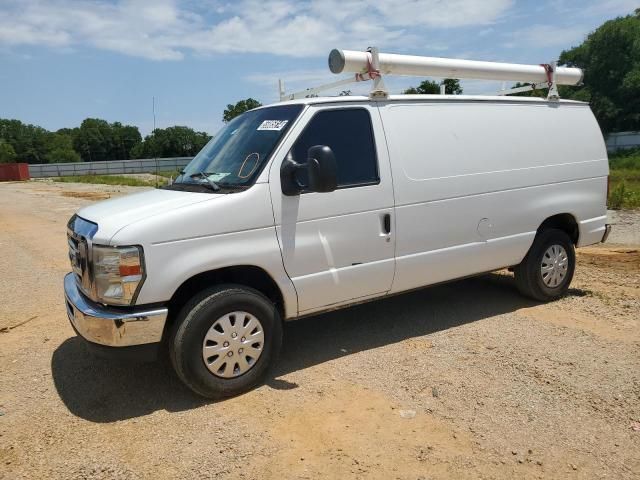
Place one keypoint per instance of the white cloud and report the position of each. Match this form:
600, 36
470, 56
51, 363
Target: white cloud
548, 36
442, 14
595, 7
169, 29
129, 27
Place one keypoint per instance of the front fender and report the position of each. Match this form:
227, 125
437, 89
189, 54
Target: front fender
237, 229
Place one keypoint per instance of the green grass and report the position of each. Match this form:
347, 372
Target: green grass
625, 159
107, 180
624, 189
172, 173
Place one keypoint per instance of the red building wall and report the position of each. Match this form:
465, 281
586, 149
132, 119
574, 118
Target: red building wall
14, 171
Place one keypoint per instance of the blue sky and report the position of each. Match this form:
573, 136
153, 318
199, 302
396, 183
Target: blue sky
64, 60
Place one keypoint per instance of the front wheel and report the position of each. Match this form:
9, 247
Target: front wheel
546, 271
225, 340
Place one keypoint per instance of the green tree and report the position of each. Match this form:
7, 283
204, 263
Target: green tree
177, 141
530, 93
60, 148
425, 88
98, 139
71, 132
27, 141
125, 138
232, 111
610, 58
94, 140
7, 153
63, 155
451, 87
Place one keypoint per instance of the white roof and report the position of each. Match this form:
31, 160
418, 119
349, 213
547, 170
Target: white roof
422, 98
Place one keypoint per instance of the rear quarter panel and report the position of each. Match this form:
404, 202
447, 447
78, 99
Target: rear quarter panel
474, 180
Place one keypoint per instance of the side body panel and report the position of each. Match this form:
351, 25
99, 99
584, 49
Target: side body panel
474, 180
466, 184
333, 244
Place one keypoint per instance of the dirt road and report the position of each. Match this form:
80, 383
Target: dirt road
465, 380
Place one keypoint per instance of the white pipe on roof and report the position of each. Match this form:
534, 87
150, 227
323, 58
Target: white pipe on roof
392, 64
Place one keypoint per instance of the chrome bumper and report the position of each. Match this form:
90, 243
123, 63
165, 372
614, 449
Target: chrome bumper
109, 326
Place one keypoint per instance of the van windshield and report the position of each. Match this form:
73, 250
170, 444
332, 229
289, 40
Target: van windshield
238, 152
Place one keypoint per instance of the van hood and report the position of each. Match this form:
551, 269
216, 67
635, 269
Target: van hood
114, 214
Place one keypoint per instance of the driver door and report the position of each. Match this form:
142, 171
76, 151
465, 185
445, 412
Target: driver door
338, 247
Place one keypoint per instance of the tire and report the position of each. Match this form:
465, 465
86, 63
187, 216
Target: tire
228, 306
549, 245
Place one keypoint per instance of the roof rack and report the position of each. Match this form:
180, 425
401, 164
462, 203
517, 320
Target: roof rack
373, 65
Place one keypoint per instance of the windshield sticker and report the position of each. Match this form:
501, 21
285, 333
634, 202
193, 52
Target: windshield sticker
275, 125
216, 177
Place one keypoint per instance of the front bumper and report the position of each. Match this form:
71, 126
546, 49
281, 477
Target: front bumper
110, 326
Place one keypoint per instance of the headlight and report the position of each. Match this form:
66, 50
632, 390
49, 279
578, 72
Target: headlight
118, 273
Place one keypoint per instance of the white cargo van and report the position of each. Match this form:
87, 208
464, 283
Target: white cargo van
314, 204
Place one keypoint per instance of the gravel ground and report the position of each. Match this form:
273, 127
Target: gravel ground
464, 380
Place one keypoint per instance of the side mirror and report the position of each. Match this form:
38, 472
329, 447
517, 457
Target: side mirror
290, 173
322, 169
319, 174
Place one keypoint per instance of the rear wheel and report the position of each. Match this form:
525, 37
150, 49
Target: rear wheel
546, 272
225, 340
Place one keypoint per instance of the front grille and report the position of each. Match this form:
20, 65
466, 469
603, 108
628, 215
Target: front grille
79, 235
78, 256
74, 255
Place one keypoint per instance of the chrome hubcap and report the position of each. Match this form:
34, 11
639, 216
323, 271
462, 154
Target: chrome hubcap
233, 344
555, 262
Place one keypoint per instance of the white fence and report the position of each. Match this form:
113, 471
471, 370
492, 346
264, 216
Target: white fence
622, 140
146, 165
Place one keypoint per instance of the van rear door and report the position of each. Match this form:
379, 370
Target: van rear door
338, 246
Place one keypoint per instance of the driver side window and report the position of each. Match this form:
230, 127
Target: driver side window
349, 134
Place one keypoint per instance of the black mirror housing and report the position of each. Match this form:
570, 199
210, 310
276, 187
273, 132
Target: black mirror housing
289, 182
322, 169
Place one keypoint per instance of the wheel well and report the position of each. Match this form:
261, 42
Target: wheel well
247, 275
565, 222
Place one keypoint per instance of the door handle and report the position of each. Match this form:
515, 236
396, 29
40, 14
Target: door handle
386, 223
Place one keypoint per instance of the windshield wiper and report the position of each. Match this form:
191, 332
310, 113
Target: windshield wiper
214, 186
233, 186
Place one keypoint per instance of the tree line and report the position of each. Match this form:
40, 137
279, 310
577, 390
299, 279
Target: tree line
94, 140
97, 140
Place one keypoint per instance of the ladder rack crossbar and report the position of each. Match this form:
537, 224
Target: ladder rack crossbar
524, 88
313, 91
372, 65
